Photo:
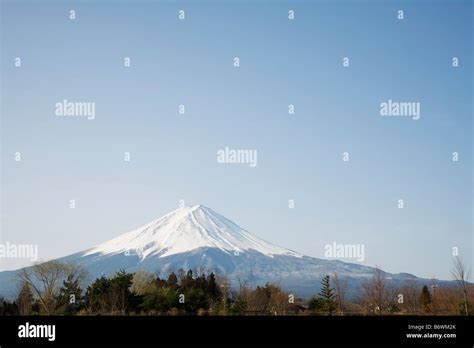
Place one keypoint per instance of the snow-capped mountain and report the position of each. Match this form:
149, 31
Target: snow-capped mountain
198, 238
185, 230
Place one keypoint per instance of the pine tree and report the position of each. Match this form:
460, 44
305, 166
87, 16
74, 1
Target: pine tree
119, 295
172, 281
70, 296
213, 290
96, 295
188, 281
316, 305
327, 295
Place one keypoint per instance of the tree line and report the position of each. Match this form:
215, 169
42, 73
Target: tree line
55, 288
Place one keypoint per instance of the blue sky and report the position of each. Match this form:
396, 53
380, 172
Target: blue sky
283, 62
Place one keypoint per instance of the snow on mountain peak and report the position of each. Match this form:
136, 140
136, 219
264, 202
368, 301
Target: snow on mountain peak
186, 229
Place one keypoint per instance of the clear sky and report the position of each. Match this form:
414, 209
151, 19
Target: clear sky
282, 62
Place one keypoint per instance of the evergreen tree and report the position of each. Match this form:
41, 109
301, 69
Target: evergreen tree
239, 307
425, 298
187, 281
112, 295
327, 303
96, 295
316, 304
70, 296
119, 294
8, 308
201, 283
327, 294
172, 281
213, 289
160, 300
195, 299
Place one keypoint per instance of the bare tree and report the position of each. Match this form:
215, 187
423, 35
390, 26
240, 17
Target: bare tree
201, 271
376, 296
434, 295
25, 299
45, 280
461, 275
410, 295
340, 288
225, 287
278, 303
242, 284
142, 282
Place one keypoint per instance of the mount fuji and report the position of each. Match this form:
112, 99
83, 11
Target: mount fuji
198, 238
188, 229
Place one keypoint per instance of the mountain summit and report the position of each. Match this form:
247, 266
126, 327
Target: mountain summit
185, 230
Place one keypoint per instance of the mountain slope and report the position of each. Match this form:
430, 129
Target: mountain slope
187, 229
